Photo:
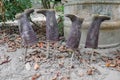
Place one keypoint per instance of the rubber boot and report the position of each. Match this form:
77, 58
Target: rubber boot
26, 31
52, 33
75, 33
93, 31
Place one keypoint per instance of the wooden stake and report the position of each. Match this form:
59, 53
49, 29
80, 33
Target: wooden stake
48, 49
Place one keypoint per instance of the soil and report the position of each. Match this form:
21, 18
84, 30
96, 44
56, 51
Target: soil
14, 65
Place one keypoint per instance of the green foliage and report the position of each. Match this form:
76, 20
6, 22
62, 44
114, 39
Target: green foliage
61, 25
11, 7
59, 8
49, 4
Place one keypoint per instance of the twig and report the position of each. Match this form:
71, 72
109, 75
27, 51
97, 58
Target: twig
48, 47
26, 48
72, 57
5, 61
92, 53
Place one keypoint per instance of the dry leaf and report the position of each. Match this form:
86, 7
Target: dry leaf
56, 45
62, 48
10, 49
34, 77
43, 56
4, 60
60, 56
54, 78
112, 65
5, 39
65, 78
107, 64
36, 66
40, 44
72, 66
58, 73
118, 68
90, 72
61, 65
118, 62
69, 50
33, 46
104, 58
1, 41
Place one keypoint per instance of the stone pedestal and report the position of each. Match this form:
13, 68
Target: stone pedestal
109, 31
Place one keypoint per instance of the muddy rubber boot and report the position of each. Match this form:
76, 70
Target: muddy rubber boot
52, 33
93, 31
28, 12
26, 31
75, 33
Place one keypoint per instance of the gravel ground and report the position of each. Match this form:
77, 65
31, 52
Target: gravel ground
57, 67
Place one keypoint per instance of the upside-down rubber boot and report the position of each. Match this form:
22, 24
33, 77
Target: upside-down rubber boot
26, 31
93, 31
52, 33
75, 33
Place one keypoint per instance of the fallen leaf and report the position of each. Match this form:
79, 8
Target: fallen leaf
69, 50
54, 78
62, 48
118, 62
10, 49
118, 68
5, 39
89, 72
112, 65
72, 66
5, 60
58, 73
36, 66
40, 44
43, 55
65, 78
61, 64
107, 64
104, 58
35, 76
56, 45
1, 41
33, 46
60, 56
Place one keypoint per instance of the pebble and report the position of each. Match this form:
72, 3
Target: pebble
27, 66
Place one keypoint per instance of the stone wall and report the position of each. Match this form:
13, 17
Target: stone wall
86, 9
36, 3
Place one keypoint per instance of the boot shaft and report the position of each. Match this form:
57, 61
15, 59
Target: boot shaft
26, 31
93, 31
52, 33
75, 34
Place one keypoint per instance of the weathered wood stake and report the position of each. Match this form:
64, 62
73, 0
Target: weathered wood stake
52, 33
